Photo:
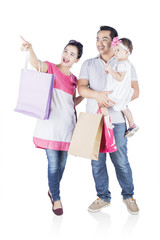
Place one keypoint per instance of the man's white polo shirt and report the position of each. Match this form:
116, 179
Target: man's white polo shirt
94, 70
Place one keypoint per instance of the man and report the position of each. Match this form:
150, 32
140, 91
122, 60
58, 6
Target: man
91, 84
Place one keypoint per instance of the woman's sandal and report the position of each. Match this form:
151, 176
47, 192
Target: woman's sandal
58, 211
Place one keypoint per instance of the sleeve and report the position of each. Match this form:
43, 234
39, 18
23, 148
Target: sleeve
133, 73
50, 67
84, 73
75, 81
122, 67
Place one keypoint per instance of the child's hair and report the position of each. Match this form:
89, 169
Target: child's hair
78, 45
113, 32
127, 43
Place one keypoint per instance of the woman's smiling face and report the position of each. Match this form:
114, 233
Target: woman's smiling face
69, 56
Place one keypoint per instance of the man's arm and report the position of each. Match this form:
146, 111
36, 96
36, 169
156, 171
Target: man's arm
101, 97
135, 86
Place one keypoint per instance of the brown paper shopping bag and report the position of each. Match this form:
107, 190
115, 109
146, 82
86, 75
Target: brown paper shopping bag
86, 137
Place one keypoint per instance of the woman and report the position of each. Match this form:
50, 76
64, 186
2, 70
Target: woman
54, 134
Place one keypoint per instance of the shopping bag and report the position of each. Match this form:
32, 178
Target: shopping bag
108, 143
86, 137
35, 93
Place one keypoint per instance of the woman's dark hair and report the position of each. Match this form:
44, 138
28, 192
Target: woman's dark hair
113, 32
78, 45
127, 43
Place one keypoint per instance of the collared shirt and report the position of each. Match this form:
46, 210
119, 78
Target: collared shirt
94, 71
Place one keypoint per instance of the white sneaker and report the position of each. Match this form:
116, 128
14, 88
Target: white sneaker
131, 131
97, 205
131, 205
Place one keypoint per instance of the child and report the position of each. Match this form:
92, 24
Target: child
54, 134
119, 81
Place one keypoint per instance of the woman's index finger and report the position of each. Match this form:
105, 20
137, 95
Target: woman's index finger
23, 39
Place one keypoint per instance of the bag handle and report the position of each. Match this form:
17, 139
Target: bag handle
40, 64
99, 109
27, 59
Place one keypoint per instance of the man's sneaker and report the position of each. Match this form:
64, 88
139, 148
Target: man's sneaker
131, 205
98, 205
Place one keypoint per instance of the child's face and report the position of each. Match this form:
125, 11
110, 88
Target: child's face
69, 56
120, 53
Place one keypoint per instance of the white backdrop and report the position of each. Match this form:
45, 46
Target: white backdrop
25, 210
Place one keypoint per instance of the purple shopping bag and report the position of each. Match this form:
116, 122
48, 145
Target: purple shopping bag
35, 94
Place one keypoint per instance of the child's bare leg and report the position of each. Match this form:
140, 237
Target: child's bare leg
129, 117
104, 111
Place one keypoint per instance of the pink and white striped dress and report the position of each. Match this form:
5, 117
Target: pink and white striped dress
56, 132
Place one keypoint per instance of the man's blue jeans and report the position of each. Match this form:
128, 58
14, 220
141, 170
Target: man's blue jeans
56, 166
121, 164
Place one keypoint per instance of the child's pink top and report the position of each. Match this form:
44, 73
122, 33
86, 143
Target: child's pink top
55, 133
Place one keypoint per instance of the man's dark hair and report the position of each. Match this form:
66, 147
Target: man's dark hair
127, 42
113, 32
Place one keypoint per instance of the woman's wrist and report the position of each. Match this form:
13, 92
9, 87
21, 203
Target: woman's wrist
30, 49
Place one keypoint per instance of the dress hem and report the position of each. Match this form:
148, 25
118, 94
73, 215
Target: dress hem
49, 144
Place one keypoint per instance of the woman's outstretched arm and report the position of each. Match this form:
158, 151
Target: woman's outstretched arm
32, 57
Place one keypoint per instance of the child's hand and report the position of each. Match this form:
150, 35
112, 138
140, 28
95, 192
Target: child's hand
25, 45
107, 68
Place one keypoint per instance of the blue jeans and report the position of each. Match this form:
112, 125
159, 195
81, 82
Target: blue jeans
121, 164
56, 166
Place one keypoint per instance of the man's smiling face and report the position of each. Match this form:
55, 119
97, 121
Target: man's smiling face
103, 42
